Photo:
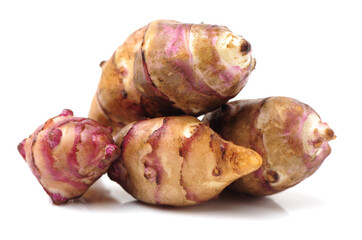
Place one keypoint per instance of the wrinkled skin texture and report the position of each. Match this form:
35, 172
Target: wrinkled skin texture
68, 154
177, 161
150, 74
288, 134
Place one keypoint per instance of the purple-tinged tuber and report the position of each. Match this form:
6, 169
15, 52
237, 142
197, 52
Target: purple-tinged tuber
288, 134
169, 68
68, 154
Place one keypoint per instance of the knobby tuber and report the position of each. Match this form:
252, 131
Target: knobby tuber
68, 154
163, 70
169, 68
177, 161
288, 134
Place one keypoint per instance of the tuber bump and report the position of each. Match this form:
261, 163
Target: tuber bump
177, 161
157, 66
68, 154
288, 134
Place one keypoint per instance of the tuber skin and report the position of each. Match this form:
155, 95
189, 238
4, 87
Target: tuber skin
288, 134
177, 161
150, 74
68, 154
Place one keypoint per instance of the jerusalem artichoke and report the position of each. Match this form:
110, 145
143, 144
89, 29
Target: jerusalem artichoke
177, 161
161, 63
288, 134
68, 154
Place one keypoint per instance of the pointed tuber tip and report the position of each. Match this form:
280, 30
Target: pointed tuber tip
329, 134
101, 64
21, 148
247, 161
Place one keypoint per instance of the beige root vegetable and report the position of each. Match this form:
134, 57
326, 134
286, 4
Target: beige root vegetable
177, 161
288, 134
170, 68
68, 154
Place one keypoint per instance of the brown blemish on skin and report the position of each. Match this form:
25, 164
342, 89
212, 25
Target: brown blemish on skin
124, 94
318, 143
230, 45
122, 72
271, 176
150, 174
216, 172
223, 149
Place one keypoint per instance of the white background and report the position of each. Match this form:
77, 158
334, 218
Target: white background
311, 51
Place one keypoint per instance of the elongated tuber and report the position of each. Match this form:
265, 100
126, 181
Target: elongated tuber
288, 134
169, 68
177, 161
68, 154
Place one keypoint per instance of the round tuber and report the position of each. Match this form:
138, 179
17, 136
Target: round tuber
68, 154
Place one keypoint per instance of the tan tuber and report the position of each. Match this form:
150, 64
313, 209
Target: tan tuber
163, 72
169, 68
177, 161
288, 134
